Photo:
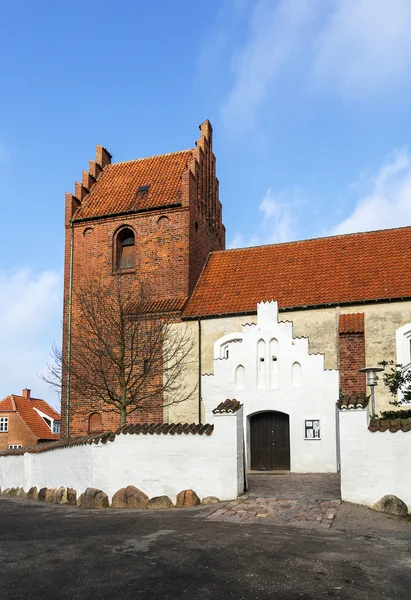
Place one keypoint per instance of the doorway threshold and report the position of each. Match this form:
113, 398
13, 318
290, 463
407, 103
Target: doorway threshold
279, 472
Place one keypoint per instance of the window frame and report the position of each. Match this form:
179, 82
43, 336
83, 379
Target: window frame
124, 233
308, 427
4, 424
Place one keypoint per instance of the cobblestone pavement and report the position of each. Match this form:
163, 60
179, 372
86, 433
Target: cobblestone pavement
307, 500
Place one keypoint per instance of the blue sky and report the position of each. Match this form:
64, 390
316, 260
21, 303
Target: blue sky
309, 101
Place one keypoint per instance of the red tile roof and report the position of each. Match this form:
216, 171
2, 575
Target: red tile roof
31, 417
116, 190
351, 323
7, 404
325, 271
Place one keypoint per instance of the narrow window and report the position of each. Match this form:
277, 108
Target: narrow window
4, 424
146, 366
261, 370
239, 377
95, 422
125, 249
296, 375
274, 369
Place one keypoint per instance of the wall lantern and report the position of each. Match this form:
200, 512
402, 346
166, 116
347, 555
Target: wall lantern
372, 379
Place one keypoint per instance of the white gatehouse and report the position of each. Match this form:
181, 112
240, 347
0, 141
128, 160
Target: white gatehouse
289, 398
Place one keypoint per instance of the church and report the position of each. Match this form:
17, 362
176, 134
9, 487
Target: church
283, 329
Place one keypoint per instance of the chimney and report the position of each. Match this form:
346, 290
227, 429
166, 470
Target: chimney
26, 393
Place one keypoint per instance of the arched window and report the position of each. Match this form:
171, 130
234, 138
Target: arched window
240, 377
261, 370
95, 422
296, 376
125, 254
274, 369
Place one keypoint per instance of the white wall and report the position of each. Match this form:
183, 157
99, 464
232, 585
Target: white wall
274, 389
373, 464
156, 464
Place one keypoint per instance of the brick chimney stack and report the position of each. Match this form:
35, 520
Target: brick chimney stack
26, 393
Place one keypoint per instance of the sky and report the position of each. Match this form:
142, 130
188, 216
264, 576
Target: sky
309, 101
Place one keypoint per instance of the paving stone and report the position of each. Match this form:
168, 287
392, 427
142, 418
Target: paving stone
302, 509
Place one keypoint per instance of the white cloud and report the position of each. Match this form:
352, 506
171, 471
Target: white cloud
274, 34
385, 201
280, 219
30, 321
365, 45
352, 47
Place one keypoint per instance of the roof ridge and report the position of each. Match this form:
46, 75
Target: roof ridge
124, 162
327, 237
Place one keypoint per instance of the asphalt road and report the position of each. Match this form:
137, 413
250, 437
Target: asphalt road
49, 552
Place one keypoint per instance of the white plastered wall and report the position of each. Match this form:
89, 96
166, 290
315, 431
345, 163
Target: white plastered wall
314, 399
319, 325
373, 464
211, 465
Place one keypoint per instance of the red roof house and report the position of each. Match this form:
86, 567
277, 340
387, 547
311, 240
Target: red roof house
26, 421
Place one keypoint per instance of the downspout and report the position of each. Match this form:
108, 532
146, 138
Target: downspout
199, 371
69, 330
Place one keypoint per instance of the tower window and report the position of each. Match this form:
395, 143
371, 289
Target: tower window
125, 249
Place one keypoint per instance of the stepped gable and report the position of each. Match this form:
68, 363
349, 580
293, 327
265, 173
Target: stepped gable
310, 273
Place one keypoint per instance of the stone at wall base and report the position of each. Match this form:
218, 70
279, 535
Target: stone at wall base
50, 495
71, 496
392, 505
33, 493
187, 498
210, 500
93, 498
159, 502
20, 493
60, 496
42, 495
129, 497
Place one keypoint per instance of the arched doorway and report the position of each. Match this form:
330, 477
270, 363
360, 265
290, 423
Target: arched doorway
270, 441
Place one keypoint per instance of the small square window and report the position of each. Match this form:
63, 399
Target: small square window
312, 430
4, 424
14, 446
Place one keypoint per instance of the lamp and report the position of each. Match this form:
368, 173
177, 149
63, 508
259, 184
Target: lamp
372, 378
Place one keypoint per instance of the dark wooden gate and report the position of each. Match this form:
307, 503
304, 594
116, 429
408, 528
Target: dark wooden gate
270, 441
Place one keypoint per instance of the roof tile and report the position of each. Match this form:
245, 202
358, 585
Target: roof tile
351, 323
116, 190
323, 271
31, 417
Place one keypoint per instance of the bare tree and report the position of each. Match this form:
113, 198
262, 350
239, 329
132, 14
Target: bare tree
123, 354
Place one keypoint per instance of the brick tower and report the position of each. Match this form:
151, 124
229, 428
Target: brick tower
151, 221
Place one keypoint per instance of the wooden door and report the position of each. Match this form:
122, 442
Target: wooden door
270, 441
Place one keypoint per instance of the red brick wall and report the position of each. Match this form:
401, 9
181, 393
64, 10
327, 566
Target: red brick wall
352, 358
170, 252
18, 432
